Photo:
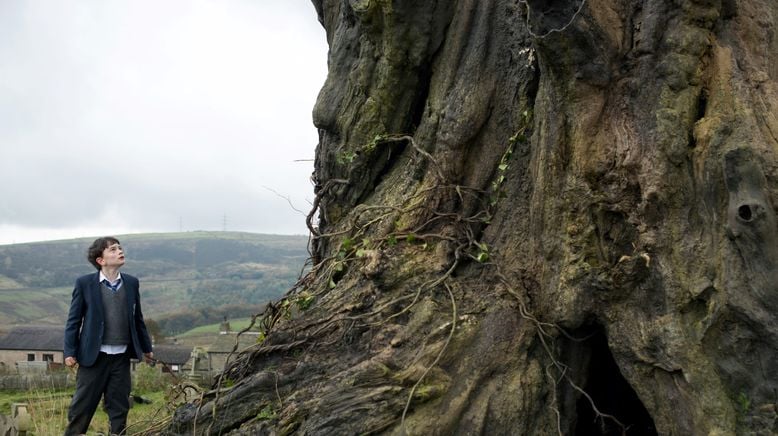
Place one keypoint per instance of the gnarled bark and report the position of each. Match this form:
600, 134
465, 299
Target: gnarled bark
533, 215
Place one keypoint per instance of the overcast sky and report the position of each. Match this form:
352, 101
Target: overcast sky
138, 116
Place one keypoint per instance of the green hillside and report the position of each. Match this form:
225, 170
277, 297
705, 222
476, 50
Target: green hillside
186, 278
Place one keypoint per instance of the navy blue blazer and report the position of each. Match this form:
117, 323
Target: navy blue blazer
85, 324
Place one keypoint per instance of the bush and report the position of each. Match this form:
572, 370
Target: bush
147, 379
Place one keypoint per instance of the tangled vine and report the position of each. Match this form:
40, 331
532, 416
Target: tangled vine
353, 245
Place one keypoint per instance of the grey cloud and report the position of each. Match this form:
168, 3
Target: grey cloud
175, 110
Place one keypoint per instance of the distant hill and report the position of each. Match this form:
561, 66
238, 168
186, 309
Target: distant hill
195, 276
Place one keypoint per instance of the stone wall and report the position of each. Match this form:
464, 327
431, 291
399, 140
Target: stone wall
25, 382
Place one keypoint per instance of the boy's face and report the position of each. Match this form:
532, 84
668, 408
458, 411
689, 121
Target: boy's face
113, 256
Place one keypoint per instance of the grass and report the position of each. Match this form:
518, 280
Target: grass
34, 305
47, 407
27, 294
9, 397
178, 272
8, 283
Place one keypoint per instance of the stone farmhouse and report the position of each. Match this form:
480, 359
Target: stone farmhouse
173, 358
23, 345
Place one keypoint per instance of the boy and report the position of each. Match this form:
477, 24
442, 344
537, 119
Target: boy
104, 330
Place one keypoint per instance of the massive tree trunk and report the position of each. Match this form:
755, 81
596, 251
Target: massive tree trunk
534, 217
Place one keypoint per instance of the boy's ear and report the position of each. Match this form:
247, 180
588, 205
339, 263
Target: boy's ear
100, 261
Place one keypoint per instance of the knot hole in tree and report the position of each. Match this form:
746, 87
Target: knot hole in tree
745, 213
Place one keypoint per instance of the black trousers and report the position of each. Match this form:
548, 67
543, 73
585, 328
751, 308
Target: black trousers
109, 377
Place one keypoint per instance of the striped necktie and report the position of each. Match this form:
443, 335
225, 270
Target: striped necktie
115, 287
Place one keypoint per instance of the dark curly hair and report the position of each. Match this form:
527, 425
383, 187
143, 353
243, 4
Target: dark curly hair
97, 248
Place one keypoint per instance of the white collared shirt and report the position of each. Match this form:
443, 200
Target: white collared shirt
113, 349
113, 283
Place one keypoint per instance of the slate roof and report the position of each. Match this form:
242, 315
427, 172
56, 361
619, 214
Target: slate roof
172, 354
46, 338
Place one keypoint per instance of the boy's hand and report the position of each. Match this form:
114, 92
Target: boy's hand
70, 361
149, 356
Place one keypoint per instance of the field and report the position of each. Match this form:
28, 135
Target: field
47, 408
48, 413
187, 279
